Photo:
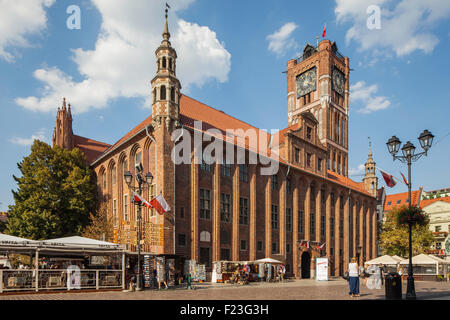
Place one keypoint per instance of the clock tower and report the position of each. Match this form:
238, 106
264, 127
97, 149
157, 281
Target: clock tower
318, 82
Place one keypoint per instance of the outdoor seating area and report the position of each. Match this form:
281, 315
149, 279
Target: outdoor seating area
243, 272
60, 264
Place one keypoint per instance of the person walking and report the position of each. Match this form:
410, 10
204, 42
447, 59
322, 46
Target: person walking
353, 279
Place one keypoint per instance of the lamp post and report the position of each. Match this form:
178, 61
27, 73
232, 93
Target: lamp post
143, 184
408, 149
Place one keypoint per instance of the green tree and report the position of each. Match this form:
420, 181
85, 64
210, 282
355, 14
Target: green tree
394, 238
99, 225
55, 195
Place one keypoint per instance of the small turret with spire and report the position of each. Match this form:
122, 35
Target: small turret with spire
165, 85
370, 178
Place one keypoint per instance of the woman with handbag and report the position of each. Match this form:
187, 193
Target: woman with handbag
353, 279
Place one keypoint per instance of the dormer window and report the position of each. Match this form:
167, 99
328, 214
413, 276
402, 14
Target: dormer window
308, 133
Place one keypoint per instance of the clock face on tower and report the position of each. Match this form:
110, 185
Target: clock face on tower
306, 82
338, 81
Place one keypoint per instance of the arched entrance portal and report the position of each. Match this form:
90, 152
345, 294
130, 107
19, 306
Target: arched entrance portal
306, 265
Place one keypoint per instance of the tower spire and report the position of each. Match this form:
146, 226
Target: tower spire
166, 33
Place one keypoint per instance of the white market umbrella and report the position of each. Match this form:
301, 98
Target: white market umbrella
268, 260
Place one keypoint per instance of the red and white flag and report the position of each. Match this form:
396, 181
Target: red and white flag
322, 246
324, 32
389, 179
404, 179
138, 198
160, 204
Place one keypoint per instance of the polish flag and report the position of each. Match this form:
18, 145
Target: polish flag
324, 32
160, 204
322, 246
389, 179
307, 244
138, 199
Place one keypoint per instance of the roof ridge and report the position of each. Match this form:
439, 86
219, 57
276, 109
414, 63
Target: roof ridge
93, 140
220, 111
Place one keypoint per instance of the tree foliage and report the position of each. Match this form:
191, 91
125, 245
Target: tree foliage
394, 238
100, 225
55, 194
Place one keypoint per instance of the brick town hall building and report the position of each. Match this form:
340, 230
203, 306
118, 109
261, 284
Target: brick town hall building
232, 211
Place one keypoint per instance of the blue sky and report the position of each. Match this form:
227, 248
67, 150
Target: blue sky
231, 57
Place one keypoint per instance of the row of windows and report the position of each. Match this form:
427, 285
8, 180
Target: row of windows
225, 170
205, 236
308, 159
162, 63
126, 206
137, 158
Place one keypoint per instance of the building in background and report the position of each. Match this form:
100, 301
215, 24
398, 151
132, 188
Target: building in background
427, 195
439, 212
229, 211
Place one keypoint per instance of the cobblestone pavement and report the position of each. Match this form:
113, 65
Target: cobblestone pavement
290, 290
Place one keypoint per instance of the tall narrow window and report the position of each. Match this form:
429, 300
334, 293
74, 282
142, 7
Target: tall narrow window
225, 207
308, 160
172, 94
297, 155
163, 93
115, 212
205, 204
243, 211
164, 62
301, 221
113, 174
308, 133
274, 216
243, 172
312, 225
125, 207
322, 226
274, 182
288, 219
104, 180
225, 168
332, 227
170, 64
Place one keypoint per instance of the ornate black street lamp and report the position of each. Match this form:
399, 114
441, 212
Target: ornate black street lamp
143, 184
408, 149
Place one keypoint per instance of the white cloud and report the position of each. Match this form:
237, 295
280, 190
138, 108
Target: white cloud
280, 41
366, 95
19, 19
358, 171
40, 135
123, 61
405, 25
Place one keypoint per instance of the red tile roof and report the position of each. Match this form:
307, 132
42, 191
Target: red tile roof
347, 182
192, 110
399, 199
424, 203
91, 148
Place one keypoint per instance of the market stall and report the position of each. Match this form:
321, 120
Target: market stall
60, 264
426, 267
389, 263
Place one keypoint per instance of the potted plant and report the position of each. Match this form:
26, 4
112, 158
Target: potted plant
411, 215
